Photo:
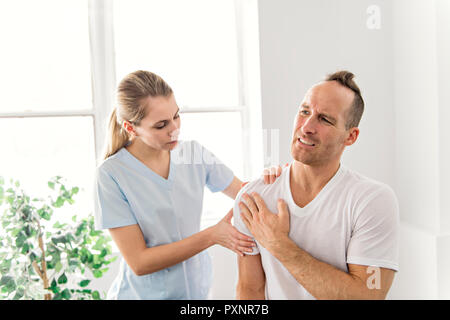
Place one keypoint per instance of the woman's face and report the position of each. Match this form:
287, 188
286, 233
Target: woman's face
160, 128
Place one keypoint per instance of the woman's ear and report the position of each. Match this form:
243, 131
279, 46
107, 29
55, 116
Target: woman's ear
353, 134
128, 127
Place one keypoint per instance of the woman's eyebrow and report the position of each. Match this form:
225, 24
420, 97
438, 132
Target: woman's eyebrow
178, 110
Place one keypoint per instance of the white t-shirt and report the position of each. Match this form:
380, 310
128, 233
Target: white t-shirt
353, 220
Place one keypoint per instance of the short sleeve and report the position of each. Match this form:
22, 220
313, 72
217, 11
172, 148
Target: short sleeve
374, 240
111, 207
238, 223
218, 175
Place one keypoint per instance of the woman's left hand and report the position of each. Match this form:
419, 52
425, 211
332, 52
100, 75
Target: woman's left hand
226, 235
271, 174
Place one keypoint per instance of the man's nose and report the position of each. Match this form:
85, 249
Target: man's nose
309, 126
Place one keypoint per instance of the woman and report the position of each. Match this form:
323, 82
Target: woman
149, 193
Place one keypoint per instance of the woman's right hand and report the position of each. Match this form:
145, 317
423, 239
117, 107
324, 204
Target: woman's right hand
226, 235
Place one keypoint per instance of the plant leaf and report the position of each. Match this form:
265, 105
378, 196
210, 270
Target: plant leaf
58, 266
84, 283
62, 279
97, 273
66, 294
96, 295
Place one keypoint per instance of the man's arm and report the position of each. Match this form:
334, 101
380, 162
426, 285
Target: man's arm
321, 280
251, 278
324, 281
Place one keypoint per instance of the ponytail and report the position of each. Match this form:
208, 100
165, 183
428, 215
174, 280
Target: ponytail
116, 138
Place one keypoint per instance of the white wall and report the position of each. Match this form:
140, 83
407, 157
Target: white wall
421, 99
301, 42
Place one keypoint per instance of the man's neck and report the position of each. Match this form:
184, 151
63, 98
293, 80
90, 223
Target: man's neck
311, 179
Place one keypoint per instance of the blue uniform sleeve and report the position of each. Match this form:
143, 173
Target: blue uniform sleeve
218, 175
111, 207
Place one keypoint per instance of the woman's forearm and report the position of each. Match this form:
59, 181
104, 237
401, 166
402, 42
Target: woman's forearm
164, 256
233, 189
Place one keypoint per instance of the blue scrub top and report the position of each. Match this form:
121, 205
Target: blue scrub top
127, 192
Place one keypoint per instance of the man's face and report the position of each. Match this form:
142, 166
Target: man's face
319, 135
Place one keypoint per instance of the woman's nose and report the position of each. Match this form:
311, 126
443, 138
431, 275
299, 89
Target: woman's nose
174, 133
173, 126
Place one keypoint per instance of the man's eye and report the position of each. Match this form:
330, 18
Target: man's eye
305, 112
324, 119
177, 116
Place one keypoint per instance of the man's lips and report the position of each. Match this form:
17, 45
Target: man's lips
306, 142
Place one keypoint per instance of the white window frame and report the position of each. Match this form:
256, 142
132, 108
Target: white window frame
101, 36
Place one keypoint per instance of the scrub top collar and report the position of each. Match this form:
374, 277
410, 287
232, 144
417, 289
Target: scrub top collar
146, 171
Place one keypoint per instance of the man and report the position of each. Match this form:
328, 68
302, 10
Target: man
322, 230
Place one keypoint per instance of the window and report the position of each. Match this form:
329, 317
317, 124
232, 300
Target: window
46, 106
64, 59
193, 46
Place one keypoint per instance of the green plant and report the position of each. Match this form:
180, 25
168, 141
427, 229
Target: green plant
38, 261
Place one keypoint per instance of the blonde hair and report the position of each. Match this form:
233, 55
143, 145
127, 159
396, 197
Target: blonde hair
135, 87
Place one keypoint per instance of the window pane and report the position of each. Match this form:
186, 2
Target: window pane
190, 44
220, 133
44, 57
40, 148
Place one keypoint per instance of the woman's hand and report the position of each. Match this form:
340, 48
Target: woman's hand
225, 234
271, 174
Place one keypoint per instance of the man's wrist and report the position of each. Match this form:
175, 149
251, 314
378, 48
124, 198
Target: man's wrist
279, 245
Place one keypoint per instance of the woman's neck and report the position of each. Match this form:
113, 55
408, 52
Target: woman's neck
147, 154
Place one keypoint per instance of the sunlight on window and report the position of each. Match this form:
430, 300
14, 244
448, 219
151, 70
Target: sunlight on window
190, 44
41, 148
220, 133
44, 56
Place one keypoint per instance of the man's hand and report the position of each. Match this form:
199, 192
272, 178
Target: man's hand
269, 228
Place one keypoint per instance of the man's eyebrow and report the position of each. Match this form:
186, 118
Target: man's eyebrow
329, 117
305, 106
178, 110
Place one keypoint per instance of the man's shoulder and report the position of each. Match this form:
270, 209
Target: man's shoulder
364, 186
263, 189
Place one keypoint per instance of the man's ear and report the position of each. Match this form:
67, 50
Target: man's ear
353, 134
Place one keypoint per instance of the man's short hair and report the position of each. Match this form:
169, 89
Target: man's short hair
345, 78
